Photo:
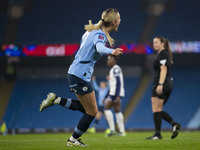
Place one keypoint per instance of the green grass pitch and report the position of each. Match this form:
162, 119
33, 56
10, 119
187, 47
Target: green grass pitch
98, 141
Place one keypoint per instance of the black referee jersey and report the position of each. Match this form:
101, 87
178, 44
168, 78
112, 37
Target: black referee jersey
163, 58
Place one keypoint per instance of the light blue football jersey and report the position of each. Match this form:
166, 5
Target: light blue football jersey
87, 55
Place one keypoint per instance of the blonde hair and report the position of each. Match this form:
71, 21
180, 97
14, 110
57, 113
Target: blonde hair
107, 17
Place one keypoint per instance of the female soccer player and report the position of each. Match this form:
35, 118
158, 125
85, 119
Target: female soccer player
162, 87
92, 47
116, 92
102, 90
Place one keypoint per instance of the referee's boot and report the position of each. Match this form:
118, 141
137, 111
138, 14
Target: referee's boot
76, 143
154, 137
49, 101
175, 129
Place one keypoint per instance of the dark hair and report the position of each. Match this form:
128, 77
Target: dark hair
166, 46
115, 57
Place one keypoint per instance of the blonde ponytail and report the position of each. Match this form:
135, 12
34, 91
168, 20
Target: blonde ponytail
111, 41
90, 27
107, 17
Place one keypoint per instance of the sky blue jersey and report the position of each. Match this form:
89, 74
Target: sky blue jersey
100, 92
87, 55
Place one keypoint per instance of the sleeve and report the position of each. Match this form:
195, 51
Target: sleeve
163, 57
107, 94
116, 72
100, 37
95, 85
102, 49
118, 86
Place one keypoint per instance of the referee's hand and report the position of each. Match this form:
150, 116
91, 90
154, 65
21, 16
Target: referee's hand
117, 51
159, 89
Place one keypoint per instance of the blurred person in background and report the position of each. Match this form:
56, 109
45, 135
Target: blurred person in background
116, 92
162, 87
92, 47
102, 90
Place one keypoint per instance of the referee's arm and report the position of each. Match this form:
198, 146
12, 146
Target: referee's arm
163, 73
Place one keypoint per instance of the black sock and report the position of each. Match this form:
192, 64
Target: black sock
63, 102
167, 117
72, 104
157, 122
83, 125
96, 122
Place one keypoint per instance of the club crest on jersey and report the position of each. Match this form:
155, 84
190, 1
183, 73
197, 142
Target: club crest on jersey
85, 88
101, 36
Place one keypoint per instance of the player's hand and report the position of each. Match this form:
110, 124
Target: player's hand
104, 101
118, 99
93, 78
117, 51
107, 77
159, 89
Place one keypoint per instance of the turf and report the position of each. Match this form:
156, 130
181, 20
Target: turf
98, 141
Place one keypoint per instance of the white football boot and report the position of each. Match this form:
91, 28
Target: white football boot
49, 101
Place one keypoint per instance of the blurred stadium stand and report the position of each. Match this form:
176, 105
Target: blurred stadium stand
62, 21
23, 108
31, 88
180, 23
3, 19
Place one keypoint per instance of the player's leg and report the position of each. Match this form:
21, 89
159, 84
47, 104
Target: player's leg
119, 118
96, 121
164, 114
98, 117
175, 126
109, 115
52, 99
101, 109
157, 105
76, 85
89, 103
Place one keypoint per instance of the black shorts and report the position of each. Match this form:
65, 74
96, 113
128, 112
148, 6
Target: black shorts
78, 85
167, 89
101, 108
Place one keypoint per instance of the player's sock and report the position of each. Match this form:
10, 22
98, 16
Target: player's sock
107, 123
70, 104
120, 121
83, 125
110, 119
157, 122
57, 100
167, 117
96, 122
